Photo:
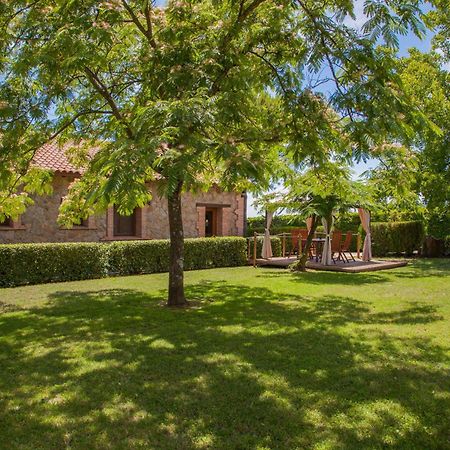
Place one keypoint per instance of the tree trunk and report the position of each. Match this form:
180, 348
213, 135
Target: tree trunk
176, 262
301, 264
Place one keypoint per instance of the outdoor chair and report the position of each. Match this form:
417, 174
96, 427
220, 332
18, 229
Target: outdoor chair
294, 241
336, 247
345, 248
299, 235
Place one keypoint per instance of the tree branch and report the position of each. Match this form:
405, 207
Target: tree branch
146, 32
148, 19
103, 91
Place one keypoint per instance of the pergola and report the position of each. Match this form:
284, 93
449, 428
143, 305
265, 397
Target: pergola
326, 259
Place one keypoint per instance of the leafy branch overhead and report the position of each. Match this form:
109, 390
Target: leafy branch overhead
198, 92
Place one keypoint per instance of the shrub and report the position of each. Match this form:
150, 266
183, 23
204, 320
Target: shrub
273, 230
285, 220
447, 245
396, 237
276, 246
215, 252
136, 257
349, 221
42, 263
439, 224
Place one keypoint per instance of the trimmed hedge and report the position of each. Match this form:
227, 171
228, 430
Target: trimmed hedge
42, 263
273, 230
346, 222
276, 246
285, 220
137, 257
396, 237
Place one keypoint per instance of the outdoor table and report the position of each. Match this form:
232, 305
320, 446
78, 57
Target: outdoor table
319, 247
318, 242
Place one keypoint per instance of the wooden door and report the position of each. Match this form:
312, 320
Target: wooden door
210, 222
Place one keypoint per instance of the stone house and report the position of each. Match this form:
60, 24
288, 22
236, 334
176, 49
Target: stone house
213, 213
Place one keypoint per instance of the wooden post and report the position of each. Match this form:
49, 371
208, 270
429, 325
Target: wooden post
249, 243
358, 245
284, 245
254, 250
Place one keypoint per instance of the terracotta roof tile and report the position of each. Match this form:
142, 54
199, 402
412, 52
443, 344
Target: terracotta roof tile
52, 156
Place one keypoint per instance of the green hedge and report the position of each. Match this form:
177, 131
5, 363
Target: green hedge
396, 237
285, 220
288, 230
346, 222
276, 246
42, 263
273, 230
135, 257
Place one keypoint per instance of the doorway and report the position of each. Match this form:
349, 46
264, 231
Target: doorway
210, 222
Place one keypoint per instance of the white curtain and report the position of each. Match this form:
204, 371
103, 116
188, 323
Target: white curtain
364, 215
267, 246
326, 253
309, 222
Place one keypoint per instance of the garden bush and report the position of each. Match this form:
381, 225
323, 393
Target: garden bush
273, 230
285, 220
276, 246
396, 237
42, 263
135, 257
285, 223
206, 253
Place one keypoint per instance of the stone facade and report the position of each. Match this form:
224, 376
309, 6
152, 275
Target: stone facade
39, 222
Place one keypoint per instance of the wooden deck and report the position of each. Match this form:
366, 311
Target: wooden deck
351, 267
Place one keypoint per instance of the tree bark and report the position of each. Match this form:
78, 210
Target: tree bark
301, 264
176, 262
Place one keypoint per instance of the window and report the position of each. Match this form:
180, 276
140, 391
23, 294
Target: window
7, 223
84, 223
124, 225
211, 222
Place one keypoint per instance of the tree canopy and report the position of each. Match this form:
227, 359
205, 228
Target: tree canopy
413, 180
195, 93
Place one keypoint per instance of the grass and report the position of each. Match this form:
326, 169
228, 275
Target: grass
266, 360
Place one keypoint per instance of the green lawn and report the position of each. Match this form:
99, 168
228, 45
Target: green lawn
265, 360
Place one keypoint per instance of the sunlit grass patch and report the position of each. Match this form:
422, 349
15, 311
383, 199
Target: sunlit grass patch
267, 360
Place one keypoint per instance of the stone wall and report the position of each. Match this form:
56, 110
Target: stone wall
39, 222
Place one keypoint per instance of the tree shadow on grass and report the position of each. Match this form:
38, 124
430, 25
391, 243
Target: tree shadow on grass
114, 369
327, 277
424, 268
419, 268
